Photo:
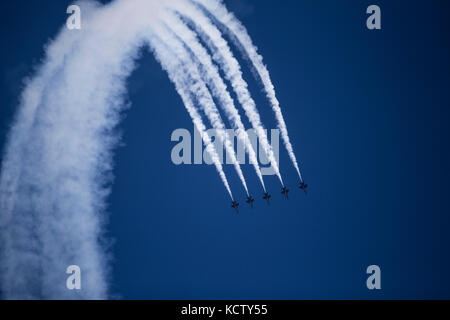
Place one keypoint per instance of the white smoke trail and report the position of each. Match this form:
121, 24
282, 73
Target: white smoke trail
177, 74
239, 34
58, 160
202, 94
223, 56
31, 97
56, 169
218, 87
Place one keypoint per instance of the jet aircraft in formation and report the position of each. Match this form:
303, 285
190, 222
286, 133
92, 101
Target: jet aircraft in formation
250, 201
267, 196
285, 191
235, 205
303, 186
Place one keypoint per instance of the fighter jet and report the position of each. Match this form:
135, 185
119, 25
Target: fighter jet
303, 186
250, 201
235, 205
266, 197
285, 191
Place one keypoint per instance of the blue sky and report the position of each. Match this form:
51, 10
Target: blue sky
367, 112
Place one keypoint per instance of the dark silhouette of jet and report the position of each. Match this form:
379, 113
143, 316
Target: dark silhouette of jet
285, 191
303, 186
235, 205
250, 201
266, 197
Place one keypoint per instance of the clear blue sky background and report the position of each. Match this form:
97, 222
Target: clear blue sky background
367, 112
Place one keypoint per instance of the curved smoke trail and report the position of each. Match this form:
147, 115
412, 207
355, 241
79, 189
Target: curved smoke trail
239, 35
58, 160
218, 87
223, 56
203, 96
56, 170
177, 74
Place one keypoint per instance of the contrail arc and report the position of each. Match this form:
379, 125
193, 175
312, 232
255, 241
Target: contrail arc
239, 34
205, 100
56, 171
177, 74
219, 89
225, 59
